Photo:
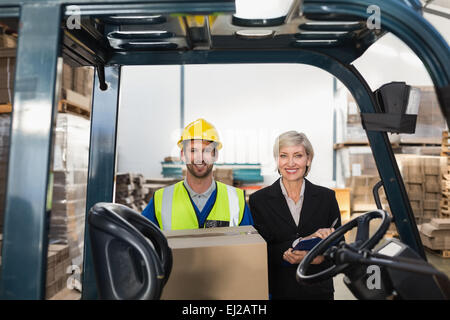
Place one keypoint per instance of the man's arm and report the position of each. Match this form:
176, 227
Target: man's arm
247, 219
149, 212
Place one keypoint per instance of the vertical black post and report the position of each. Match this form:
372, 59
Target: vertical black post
34, 110
102, 160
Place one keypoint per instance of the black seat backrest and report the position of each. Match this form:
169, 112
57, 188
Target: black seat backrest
132, 259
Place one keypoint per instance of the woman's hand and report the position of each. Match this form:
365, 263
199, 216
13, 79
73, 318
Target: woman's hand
296, 256
321, 233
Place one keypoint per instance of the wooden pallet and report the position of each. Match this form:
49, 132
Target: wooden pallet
5, 108
445, 213
391, 234
67, 294
394, 145
65, 106
445, 152
441, 253
445, 144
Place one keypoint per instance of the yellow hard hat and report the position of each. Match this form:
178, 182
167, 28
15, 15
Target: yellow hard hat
200, 129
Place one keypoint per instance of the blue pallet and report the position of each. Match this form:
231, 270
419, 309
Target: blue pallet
242, 172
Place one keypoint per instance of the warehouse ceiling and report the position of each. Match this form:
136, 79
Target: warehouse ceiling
105, 35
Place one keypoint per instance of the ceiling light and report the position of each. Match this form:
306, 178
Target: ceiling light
262, 9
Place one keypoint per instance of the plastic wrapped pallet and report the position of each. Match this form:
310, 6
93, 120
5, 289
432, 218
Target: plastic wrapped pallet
70, 163
7, 71
83, 80
67, 79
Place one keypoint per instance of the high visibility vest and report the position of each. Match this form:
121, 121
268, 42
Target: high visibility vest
174, 209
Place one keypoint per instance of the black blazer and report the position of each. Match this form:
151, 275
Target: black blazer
274, 222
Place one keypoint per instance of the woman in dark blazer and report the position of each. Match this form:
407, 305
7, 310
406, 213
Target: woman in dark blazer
293, 208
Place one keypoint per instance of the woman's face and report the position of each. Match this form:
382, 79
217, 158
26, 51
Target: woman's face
292, 162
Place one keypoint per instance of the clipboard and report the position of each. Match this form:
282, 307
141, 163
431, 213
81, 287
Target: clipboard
308, 244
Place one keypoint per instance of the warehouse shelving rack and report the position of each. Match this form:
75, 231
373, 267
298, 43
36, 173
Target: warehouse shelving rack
328, 34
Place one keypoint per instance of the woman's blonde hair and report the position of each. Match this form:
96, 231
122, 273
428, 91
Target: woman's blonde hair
293, 138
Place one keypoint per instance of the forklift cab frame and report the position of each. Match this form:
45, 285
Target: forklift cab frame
43, 38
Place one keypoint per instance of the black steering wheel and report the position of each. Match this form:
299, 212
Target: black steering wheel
362, 242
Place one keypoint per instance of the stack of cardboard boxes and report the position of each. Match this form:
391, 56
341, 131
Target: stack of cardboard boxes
445, 152
435, 235
70, 164
422, 176
77, 86
362, 199
58, 268
154, 184
71, 148
223, 175
58, 263
130, 190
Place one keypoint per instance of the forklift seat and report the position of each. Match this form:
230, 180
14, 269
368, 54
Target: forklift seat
132, 259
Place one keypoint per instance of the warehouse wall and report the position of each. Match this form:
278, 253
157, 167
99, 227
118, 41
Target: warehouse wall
252, 104
389, 59
148, 113
249, 104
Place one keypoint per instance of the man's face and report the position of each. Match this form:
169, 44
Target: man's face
199, 156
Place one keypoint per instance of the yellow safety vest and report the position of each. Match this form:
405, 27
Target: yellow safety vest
174, 209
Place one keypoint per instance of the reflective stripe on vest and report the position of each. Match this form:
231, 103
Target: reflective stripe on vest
174, 210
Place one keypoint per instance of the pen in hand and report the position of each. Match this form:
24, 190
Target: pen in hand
294, 244
334, 222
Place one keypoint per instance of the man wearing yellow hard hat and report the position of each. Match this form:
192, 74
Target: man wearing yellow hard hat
199, 201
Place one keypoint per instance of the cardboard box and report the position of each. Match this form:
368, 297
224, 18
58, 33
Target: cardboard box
432, 183
217, 264
415, 191
436, 234
67, 77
